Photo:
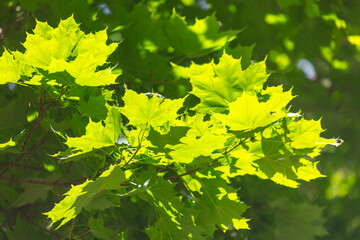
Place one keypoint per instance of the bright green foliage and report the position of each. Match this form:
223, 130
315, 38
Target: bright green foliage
97, 135
262, 147
9, 68
305, 134
142, 165
155, 111
192, 146
81, 195
247, 113
217, 85
48, 47
10, 143
65, 48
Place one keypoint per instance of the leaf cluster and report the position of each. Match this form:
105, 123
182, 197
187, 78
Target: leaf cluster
130, 165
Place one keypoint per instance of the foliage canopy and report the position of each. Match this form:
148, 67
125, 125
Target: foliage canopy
122, 164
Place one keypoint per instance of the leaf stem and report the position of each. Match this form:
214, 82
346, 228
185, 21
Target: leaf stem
142, 133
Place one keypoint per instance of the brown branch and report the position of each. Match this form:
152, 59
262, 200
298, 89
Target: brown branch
37, 121
9, 24
164, 168
22, 155
5, 170
235, 146
65, 173
42, 140
28, 219
22, 166
31, 181
173, 178
85, 233
42, 109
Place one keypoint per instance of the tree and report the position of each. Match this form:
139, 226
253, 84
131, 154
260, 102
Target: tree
160, 162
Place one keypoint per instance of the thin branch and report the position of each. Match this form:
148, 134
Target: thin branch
31, 181
65, 173
164, 168
138, 147
37, 121
28, 219
22, 155
235, 146
85, 233
22, 166
131, 158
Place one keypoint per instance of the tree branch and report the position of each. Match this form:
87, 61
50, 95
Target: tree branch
28, 219
31, 181
235, 146
22, 155
65, 173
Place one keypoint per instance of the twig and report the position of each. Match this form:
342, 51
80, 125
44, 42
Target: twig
28, 219
22, 155
37, 121
85, 233
22, 166
164, 168
138, 147
65, 173
31, 181
235, 146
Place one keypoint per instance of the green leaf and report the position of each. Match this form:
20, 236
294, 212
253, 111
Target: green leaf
267, 156
47, 46
95, 107
92, 52
97, 135
193, 146
217, 85
172, 137
31, 194
308, 170
68, 48
219, 206
199, 39
142, 111
243, 52
305, 134
9, 68
80, 196
98, 229
247, 113
289, 215
8, 144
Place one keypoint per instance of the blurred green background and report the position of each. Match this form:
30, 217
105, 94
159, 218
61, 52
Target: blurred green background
312, 46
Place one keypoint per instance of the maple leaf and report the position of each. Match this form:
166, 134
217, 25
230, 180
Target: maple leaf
217, 85
80, 196
142, 111
199, 39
